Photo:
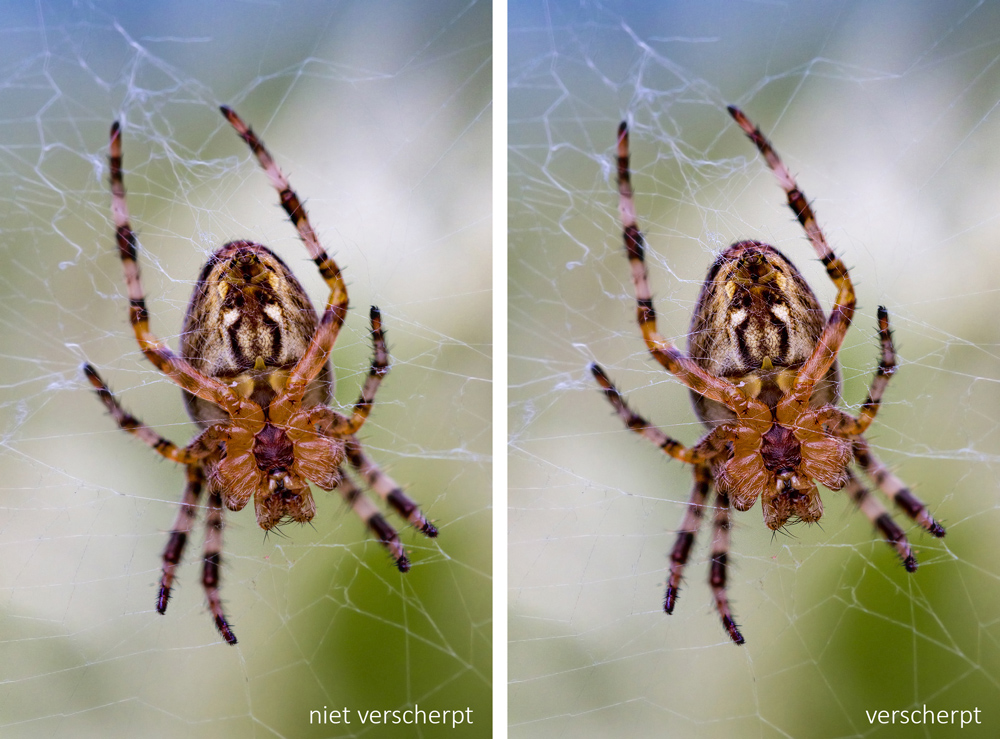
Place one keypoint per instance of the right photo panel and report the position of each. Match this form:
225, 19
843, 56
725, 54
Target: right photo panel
754, 415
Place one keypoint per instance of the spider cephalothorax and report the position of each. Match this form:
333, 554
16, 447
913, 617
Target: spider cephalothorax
762, 371
255, 370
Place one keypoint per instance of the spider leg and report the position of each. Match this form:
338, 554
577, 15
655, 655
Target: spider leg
212, 562
886, 368
192, 457
881, 519
685, 536
833, 334
374, 520
660, 347
377, 372
333, 316
179, 534
643, 427
388, 489
895, 490
717, 574
137, 428
170, 364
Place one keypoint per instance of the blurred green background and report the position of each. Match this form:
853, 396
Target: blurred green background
886, 112
380, 115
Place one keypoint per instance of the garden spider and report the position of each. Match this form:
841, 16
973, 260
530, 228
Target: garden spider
254, 367
762, 372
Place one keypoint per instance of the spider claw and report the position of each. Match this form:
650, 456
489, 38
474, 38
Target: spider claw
733, 630
161, 601
403, 564
910, 563
234, 120
670, 600
223, 627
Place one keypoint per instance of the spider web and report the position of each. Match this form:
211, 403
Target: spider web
380, 115
887, 114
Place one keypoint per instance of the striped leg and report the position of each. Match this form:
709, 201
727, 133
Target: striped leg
886, 369
192, 457
336, 307
179, 534
212, 564
881, 519
833, 334
717, 574
685, 536
643, 427
376, 373
369, 514
388, 489
170, 364
202, 446
895, 490
660, 347
134, 426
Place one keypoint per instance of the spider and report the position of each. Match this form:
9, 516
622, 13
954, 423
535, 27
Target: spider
763, 377
255, 371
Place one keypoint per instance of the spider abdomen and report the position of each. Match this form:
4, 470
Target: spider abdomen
756, 322
249, 321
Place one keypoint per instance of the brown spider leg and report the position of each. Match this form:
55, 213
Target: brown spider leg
643, 427
134, 426
201, 447
660, 347
833, 334
170, 364
685, 536
717, 574
212, 563
378, 370
886, 368
895, 490
881, 519
388, 489
179, 534
192, 457
333, 316
369, 514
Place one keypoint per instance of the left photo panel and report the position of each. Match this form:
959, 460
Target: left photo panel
245, 286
